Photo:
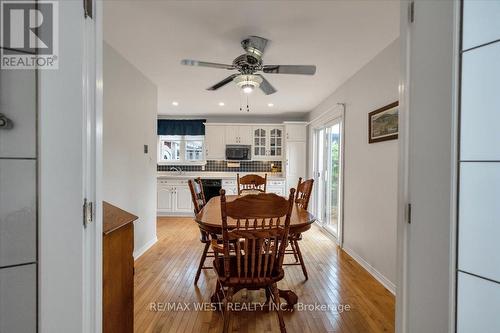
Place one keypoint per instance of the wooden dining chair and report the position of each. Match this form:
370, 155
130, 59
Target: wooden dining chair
251, 183
302, 196
259, 231
199, 201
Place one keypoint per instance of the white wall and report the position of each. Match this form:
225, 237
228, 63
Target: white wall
370, 183
129, 175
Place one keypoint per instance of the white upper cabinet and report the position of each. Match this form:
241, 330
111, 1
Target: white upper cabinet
268, 142
238, 135
232, 134
215, 142
276, 142
245, 135
260, 142
296, 131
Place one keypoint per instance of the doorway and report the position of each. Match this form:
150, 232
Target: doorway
328, 176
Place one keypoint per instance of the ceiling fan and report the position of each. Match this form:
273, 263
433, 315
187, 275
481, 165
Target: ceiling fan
249, 64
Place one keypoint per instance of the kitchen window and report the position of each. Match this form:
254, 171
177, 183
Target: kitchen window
181, 149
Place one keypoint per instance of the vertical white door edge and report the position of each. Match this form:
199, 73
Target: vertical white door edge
92, 169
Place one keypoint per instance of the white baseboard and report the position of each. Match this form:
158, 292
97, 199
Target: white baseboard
172, 214
139, 252
376, 274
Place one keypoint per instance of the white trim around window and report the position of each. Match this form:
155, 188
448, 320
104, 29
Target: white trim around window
179, 150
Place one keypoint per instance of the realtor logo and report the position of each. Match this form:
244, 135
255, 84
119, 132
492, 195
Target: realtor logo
29, 35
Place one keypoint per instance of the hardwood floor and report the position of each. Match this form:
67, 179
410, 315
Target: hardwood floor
164, 277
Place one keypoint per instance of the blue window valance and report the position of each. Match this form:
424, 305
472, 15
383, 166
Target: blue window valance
181, 127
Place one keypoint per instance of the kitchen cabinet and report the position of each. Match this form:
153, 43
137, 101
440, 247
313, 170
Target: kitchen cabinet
276, 186
238, 135
215, 142
165, 197
295, 131
230, 186
267, 142
295, 165
174, 197
295, 153
182, 199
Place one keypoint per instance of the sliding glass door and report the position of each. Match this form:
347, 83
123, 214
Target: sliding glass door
328, 171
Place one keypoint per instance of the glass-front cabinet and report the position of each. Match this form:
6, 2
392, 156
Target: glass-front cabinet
275, 142
259, 142
267, 142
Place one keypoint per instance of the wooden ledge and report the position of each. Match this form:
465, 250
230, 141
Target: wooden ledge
115, 218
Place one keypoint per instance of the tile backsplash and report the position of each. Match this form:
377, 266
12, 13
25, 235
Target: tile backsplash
221, 166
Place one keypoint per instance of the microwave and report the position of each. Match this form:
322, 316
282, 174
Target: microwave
238, 153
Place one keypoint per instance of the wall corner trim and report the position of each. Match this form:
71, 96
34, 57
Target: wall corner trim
374, 272
139, 252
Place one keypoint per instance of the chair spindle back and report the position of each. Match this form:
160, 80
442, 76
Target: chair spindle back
259, 232
251, 183
303, 194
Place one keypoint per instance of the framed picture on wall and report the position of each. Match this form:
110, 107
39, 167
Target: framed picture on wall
383, 123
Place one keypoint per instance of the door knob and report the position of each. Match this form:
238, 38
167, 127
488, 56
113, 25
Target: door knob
5, 123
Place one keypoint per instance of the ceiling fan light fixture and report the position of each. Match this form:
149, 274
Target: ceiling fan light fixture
247, 89
248, 82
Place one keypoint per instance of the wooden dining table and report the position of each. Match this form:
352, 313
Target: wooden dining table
210, 220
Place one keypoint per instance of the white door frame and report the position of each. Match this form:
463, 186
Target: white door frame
333, 114
402, 265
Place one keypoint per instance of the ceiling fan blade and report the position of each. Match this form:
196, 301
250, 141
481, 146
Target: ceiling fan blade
189, 62
223, 82
290, 69
266, 87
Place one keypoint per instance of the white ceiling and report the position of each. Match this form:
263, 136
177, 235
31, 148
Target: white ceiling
339, 37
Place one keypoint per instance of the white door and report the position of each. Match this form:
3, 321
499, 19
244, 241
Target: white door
215, 142
328, 176
183, 201
245, 135
165, 198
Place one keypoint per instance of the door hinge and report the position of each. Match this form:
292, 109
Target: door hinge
88, 8
408, 213
88, 212
411, 11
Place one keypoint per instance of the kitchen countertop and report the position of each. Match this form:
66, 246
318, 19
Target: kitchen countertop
214, 175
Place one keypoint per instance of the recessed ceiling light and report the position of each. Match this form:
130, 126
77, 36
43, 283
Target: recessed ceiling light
270, 105
174, 103
221, 104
